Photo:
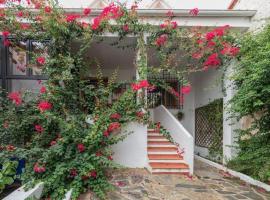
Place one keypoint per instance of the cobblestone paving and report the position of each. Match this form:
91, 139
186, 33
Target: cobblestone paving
208, 184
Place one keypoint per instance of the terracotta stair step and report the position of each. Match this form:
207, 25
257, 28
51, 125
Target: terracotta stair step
168, 165
159, 142
156, 137
178, 173
164, 157
162, 149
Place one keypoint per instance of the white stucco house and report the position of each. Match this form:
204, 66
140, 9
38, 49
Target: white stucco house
146, 147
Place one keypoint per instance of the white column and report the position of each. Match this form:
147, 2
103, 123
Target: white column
229, 124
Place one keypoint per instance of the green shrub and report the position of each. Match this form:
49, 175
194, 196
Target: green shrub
252, 80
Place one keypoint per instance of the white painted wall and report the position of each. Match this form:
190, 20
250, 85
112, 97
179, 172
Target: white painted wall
207, 86
261, 17
132, 152
176, 4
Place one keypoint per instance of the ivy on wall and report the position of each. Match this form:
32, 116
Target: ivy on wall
252, 101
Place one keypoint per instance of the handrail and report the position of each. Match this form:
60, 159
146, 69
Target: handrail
177, 131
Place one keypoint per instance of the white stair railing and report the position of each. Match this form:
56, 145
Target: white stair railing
177, 131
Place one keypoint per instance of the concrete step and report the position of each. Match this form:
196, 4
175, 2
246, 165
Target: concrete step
160, 165
162, 149
157, 142
164, 157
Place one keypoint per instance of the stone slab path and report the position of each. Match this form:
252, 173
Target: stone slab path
207, 184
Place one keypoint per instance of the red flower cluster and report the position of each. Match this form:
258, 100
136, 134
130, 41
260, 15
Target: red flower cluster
39, 169
72, 18
73, 172
169, 24
86, 11
161, 40
81, 147
5, 35
48, 9
110, 12
10, 147
139, 114
170, 13
186, 89
213, 60
112, 127
15, 97
41, 60
20, 14
39, 128
53, 143
140, 85
44, 105
125, 28
218, 32
43, 90
194, 12
115, 116
229, 50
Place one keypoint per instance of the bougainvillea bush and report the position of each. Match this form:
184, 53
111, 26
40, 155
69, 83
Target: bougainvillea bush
251, 101
65, 131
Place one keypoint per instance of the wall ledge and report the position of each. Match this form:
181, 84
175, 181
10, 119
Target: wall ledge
242, 177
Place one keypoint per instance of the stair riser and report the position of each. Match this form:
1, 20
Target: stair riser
166, 161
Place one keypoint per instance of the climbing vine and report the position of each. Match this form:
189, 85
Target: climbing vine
67, 129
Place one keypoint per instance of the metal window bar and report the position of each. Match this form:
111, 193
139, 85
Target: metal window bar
161, 96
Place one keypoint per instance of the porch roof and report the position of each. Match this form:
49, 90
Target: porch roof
240, 19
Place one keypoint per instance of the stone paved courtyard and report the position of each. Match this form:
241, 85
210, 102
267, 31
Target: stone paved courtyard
208, 184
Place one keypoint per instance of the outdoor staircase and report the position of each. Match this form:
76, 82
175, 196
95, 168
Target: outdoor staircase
162, 155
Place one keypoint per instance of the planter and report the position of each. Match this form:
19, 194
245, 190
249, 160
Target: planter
36, 192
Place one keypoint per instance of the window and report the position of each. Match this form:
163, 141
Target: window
16, 73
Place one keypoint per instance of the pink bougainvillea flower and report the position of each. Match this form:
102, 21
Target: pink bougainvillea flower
106, 133
38, 18
19, 14
52, 143
39, 128
44, 105
134, 7
211, 44
39, 169
140, 114
212, 60
110, 158
15, 97
73, 172
86, 11
5, 34
114, 126
194, 12
186, 89
96, 23
229, 50
197, 55
25, 26
98, 154
115, 116
37, 5
140, 85
210, 35
2, 1
81, 147
72, 18
41, 60
170, 13
125, 28
7, 42
93, 174
174, 25
48, 9
10, 147
161, 40
43, 90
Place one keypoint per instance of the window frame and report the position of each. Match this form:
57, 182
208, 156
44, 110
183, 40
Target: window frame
5, 65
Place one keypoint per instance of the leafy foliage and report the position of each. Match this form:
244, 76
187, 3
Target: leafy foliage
7, 174
68, 128
252, 100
